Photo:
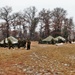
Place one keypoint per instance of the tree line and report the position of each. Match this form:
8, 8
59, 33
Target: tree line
24, 24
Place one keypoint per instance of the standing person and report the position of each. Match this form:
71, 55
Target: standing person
4, 43
28, 44
9, 43
19, 42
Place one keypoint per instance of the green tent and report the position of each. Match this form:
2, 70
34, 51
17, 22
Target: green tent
60, 39
49, 39
11, 38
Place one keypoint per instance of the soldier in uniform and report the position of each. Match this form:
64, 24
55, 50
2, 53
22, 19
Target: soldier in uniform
19, 43
4, 43
28, 44
24, 43
9, 43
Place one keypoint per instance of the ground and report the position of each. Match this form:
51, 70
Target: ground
41, 59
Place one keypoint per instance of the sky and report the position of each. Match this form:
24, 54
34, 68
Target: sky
20, 5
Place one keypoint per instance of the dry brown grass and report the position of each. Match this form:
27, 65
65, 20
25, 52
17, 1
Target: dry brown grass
41, 59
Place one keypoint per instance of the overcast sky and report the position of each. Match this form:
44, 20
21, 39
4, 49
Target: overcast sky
19, 5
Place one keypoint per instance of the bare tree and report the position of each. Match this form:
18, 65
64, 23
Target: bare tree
5, 14
45, 19
20, 23
58, 16
68, 29
32, 20
41, 31
3, 30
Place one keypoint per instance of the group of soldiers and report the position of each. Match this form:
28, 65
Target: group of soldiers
21, 43
24, 43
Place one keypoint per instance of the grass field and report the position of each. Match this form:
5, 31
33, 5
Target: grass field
41, 59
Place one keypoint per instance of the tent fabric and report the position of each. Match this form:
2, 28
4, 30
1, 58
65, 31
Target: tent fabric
2, 42
13, 40
59, 37
49, 38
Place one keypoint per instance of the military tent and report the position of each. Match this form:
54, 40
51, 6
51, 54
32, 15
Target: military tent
13, 40
60, 39
48, 40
